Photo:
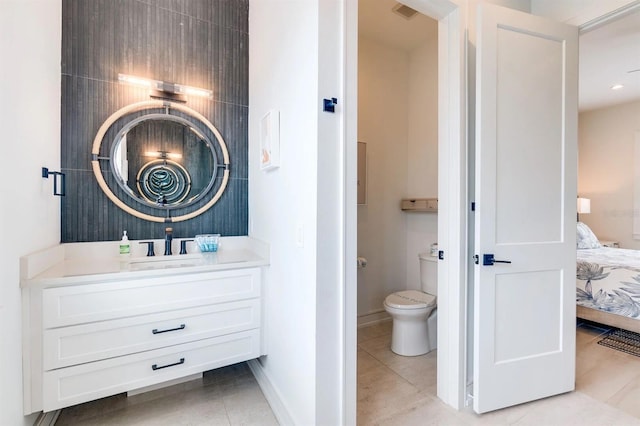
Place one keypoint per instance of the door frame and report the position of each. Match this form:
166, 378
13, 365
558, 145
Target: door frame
452, 16
452, 193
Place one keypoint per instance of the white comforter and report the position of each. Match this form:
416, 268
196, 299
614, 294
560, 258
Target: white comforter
608, 279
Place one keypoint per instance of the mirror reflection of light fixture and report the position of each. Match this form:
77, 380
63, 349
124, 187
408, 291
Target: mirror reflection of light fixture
212, 186
164, 90
583, 206
197, 132
163, 154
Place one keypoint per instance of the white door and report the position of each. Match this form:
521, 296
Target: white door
526, 154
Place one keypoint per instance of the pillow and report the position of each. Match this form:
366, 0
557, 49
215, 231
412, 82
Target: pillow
585, 238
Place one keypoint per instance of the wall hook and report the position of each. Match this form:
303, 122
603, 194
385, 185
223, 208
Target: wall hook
330, 105
46, 173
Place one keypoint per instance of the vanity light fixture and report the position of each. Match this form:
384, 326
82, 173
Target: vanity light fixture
617, 87
164, 90
137, 81
194, 91
163, 154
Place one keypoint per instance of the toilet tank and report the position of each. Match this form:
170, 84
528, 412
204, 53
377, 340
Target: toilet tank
428, 273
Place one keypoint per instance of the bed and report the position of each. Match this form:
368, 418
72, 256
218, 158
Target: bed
607, 282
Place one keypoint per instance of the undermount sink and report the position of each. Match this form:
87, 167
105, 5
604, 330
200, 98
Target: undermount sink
174, 258
163, 262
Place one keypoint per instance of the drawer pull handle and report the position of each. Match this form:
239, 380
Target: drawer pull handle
156, 331
155, 367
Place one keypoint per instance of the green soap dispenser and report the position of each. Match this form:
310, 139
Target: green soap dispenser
125, 247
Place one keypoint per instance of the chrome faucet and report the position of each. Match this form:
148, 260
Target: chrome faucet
168, 237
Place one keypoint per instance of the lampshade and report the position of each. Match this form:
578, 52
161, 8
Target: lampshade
584, 205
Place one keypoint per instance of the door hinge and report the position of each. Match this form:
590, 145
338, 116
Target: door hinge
473, 206
468, 400
476, 259
441, 255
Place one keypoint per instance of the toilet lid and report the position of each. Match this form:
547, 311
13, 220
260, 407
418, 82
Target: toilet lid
410, 299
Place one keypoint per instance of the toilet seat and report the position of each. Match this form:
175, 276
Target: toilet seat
410, 299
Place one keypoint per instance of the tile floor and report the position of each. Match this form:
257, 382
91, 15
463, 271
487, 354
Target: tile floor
395, 390
392, 390
225, 396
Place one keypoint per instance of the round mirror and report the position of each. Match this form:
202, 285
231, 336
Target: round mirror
163, 160
163, 182
164, 156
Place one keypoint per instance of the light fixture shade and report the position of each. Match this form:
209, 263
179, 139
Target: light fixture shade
584, 205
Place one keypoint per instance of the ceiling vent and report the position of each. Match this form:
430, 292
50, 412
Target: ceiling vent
404, 11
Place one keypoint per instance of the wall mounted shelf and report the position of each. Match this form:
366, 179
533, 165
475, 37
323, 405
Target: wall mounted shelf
429, 205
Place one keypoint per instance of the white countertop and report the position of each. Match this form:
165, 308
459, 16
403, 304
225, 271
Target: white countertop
81, 263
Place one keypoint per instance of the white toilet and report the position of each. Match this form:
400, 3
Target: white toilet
414, 312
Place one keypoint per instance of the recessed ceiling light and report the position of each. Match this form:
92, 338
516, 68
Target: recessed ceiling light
617, 87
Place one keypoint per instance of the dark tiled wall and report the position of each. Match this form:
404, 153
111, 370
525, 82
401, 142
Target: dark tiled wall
201, 43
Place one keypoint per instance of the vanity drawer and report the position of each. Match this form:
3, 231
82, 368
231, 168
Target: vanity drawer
70, 305
83, 343
86, 382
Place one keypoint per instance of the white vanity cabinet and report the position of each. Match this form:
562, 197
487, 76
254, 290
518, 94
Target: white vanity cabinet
88, 340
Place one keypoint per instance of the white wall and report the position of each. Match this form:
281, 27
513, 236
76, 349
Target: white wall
30, 122
282, 69
605, 139
522, 5
298, 208
576, 12
383, 113
422, 153
605, 170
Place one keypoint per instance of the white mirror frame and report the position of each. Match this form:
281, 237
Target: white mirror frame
95, 151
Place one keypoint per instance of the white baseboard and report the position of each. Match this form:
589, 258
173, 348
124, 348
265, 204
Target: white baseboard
270, 393
372, 318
